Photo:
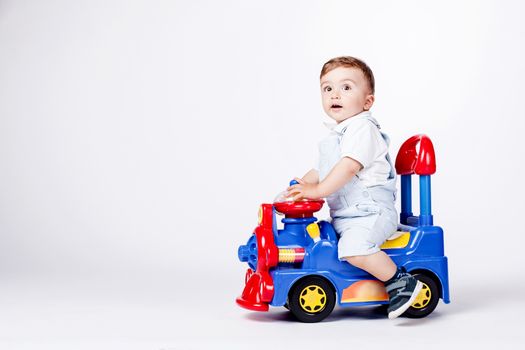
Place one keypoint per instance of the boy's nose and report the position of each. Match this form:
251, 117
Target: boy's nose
335, 94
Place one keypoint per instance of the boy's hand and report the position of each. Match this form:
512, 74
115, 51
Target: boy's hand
303, 190
340, 174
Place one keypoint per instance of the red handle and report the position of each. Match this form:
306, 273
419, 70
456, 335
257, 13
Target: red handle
409, 161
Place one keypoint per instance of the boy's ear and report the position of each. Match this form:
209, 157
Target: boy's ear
369, 102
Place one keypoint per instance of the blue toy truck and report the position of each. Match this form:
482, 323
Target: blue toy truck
298, 267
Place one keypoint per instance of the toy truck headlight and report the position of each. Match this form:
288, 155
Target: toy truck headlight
248, 253
260, 216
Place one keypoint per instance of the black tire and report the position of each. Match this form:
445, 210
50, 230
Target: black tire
311, 299
424, 306
382, 309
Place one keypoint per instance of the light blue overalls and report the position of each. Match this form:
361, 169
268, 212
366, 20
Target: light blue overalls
364, 217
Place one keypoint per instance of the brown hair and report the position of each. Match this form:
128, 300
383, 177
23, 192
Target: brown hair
350, 62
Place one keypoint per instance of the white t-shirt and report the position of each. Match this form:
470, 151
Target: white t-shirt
363, 142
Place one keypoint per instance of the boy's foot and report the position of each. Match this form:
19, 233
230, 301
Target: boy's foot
402, 291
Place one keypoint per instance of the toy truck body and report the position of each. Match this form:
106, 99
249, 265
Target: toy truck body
298, 266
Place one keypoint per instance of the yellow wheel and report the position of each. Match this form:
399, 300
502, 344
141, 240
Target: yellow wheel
423, 298
427, 299
312, 299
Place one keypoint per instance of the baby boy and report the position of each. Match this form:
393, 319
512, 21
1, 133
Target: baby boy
357, 178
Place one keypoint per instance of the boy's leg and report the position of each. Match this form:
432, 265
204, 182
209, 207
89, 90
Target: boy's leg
378, 265
402, 290
401, 286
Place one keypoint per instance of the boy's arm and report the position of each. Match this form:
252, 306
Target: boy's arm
311, 177
339, 176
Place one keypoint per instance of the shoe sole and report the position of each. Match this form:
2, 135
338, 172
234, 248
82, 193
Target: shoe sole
405, 306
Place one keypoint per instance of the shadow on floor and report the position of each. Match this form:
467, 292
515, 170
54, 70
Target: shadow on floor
464, 298
339, 313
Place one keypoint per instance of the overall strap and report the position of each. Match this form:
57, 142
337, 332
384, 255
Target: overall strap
392, 174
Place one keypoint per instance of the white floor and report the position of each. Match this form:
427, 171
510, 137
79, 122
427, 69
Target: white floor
168, 312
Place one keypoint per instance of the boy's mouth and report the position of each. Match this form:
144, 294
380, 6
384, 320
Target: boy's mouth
336, 106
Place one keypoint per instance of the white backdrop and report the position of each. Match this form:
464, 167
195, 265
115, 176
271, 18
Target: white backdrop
138, 138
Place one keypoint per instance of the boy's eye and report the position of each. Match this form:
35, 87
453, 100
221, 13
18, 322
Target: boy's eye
327, 89
346, 87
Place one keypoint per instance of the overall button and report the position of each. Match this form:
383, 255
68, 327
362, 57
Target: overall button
365, 194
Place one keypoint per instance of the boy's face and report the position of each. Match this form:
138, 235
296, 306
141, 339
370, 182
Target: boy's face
345, 93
